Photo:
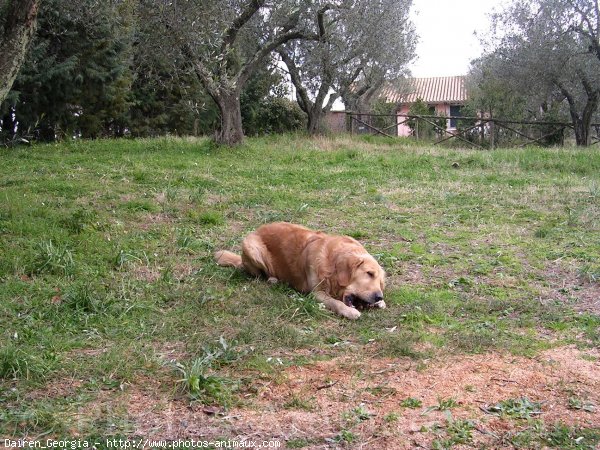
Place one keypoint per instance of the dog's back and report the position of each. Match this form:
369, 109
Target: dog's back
287, 245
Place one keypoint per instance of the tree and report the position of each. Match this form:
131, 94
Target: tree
75, 80
358, 44
545, 50
226, 42
389, 41
16, 34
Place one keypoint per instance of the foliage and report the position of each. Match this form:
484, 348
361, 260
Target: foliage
384, 122
424, 128
104, 71
346, 58
75, 81
539, 58
265, 110
225, 44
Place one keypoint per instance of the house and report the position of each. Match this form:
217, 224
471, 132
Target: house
444, 95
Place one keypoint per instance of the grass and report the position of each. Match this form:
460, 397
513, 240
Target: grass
557, 435
105, 261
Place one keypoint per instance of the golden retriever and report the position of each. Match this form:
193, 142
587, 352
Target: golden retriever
336, 269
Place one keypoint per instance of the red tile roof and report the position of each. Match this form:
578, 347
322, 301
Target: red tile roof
430, 90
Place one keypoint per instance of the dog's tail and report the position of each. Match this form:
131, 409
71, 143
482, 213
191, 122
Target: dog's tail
226, 258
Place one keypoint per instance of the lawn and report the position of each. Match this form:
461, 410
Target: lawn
115, 321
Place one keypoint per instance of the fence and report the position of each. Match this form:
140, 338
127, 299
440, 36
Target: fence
477, 132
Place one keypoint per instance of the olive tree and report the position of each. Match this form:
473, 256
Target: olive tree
547, 49
225, 42
357, 46
16, 32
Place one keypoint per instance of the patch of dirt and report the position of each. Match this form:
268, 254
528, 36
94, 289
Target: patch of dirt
59, 388
145, 273
330, 391
213, 198
184, 270
152, 219
564, 283
170, 351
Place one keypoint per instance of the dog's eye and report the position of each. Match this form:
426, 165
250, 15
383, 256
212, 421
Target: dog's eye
371, 274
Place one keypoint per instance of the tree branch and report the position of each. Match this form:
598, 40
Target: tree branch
332, 98
320, 20
301, 93
231, 33
253, 62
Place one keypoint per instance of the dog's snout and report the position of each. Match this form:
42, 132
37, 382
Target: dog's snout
377, 297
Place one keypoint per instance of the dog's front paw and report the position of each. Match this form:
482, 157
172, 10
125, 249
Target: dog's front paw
272, 280
351, 313
380, 304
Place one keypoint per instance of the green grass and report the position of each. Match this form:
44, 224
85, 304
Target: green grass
557, 435
105, 260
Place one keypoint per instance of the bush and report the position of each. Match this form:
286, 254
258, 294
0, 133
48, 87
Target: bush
275, 115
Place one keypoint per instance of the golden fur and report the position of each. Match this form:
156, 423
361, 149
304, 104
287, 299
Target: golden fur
337, 269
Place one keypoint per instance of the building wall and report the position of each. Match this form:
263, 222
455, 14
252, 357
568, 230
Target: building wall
335, 121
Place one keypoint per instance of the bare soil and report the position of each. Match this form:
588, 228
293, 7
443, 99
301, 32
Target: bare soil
326, 394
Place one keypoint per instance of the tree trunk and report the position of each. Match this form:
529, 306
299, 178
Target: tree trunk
19, 29
230, 133
582, 123
582, 133
315, 121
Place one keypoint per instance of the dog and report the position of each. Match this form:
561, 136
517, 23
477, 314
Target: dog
336, 269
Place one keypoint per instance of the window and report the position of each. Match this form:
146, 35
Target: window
454, 111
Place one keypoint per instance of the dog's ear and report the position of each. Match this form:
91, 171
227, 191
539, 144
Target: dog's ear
345, 265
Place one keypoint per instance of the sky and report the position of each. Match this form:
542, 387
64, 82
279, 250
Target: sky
446, 34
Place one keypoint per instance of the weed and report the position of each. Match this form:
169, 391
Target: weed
391, 417
411, 402
445, 404
520, 408
460, 431
296, 402
79, 220
590, 272
204, 387
558, 435
124, 257
83, 297
345, 437
53, 258
579, 404
186, 242
362, 413
13, 363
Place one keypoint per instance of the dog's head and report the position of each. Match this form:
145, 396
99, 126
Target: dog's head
361, 278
